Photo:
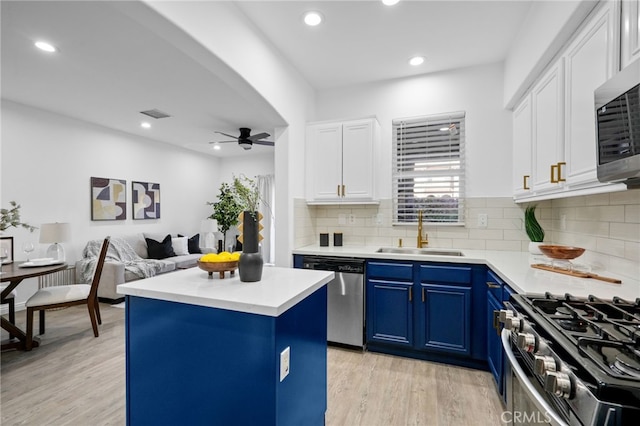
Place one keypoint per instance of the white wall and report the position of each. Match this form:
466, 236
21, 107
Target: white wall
47, 162
476, 90
223, 29
548, 26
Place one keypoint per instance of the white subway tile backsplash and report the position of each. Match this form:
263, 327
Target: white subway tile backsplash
607, 225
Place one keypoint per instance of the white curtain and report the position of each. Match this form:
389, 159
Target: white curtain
266, 186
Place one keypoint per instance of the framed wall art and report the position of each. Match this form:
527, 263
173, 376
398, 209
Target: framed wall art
108, 199
145, 200
6, 243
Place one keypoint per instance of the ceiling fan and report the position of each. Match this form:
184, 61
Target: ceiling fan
246, 140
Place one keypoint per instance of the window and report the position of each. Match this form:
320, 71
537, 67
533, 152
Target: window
428, 169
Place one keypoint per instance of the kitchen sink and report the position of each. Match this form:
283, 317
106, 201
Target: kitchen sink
420, 251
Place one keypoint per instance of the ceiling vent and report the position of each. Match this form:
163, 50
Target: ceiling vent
155, 113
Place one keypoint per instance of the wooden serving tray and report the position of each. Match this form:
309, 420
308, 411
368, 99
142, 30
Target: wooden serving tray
578, 274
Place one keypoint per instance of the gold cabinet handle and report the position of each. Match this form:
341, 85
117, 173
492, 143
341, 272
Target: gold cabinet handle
492, 285
338, 190
525, 182
410, 294
553, 175
422, 294
496, 321
560, 178
343, 186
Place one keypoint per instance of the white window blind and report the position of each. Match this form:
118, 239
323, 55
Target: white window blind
428, 169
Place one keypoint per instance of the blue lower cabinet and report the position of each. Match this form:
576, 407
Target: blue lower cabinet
444, 314
195, 365
494, 344
390, 312
427, 310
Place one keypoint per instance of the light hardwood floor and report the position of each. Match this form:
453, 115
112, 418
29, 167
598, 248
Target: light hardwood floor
76, 379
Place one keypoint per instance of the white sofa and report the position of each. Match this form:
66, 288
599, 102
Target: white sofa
114, 273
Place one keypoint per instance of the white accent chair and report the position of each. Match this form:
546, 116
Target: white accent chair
69, 295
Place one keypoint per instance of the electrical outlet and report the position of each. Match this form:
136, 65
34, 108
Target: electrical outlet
483, 220
342, 219
285, 362
352, 219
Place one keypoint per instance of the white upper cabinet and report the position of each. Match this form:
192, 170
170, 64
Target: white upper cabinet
522, 132
548, 131
589, 62
563, 131
630, 35
340, 159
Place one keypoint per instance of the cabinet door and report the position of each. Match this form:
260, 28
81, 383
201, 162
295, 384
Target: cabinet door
494, 343
444, 321
589, 63
630, 33
548, 131
522, 129
389, 312
357, 159
324, 161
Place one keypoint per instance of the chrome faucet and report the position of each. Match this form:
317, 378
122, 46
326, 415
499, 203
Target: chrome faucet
421, 242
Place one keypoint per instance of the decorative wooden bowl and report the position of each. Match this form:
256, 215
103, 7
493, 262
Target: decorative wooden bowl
561, 252
220, 267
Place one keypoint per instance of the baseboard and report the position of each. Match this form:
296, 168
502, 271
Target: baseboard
4, 310
111, 301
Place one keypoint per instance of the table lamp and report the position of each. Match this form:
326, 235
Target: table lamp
208, 227
54, 234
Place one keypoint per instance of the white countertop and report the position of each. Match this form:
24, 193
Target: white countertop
513, 267
279, 289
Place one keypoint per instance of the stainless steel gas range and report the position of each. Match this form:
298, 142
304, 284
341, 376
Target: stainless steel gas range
571, 361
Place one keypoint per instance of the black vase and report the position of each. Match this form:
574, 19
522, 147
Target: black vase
250, 263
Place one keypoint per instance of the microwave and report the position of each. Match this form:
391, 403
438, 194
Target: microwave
617, 104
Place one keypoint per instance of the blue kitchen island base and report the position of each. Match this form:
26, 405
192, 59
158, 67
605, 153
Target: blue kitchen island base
198, 365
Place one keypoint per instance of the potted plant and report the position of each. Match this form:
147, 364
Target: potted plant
248, 196
11, 218
226, 210
533, 229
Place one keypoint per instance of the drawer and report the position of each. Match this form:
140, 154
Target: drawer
445, 274
388, 270
494, 284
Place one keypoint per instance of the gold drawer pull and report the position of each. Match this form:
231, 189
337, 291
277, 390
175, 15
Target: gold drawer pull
343, 186
560, 178
422, 294
493, 285
553, 175
410, 294
338, 190
525, 183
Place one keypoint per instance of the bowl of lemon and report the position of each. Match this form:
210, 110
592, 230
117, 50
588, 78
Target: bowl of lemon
219, 262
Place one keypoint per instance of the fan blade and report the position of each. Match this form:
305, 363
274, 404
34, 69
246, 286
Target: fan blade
224, 141
229, 136
258, 136
268, 143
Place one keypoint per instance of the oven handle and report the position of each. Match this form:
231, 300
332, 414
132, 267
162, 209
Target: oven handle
522, 376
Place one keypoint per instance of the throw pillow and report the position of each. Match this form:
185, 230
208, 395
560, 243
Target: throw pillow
159, 250
180, 245
194, 244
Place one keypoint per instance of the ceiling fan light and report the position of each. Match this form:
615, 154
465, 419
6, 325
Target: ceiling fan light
390, 2
312, 18
47, 47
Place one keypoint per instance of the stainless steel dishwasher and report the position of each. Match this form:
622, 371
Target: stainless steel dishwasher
345, 298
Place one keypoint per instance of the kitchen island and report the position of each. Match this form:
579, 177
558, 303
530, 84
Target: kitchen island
214, 351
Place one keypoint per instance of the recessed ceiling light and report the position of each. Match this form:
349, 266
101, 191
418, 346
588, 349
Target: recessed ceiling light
145, 125
217, 146
312, 18
416, 60
390, 2
47, 47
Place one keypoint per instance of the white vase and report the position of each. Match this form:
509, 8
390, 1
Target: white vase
534, 247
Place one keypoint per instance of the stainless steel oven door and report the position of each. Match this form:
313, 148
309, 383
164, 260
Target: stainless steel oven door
525, 401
